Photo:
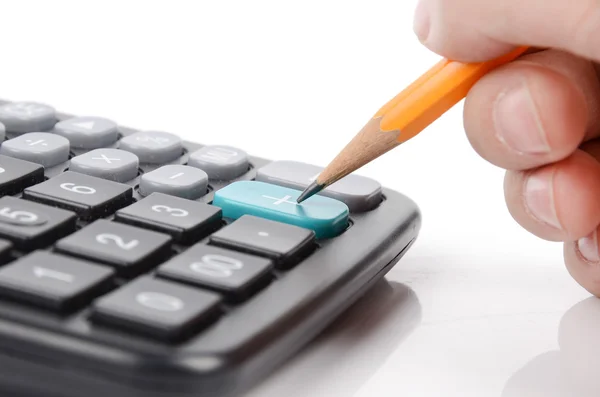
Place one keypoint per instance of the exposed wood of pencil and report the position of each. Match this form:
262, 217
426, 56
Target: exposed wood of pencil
367, 145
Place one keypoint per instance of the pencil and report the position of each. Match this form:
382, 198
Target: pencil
406, 115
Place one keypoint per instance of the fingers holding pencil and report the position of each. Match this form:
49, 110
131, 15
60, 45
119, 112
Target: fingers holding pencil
534, 111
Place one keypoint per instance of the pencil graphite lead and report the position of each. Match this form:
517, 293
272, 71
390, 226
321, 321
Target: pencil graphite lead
310, 191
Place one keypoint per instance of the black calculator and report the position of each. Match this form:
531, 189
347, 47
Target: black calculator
136, 264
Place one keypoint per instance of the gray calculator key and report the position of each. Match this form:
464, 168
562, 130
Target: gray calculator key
88, 132
220, 162
153, 147
2, 132
175, 180
38, 147
357, 192
22, 117
111, 164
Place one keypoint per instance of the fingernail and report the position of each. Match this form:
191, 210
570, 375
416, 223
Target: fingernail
588, 247
539, 197
421, 21
518, 123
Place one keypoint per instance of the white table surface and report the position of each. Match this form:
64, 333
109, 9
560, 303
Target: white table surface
478, 307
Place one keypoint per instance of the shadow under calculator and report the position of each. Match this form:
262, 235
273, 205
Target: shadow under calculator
572, 370
352, 349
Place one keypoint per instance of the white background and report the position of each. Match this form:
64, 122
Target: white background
477, 308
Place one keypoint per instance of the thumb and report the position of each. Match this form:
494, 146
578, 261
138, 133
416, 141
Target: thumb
478, 30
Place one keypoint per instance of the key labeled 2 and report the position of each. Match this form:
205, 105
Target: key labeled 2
129, 249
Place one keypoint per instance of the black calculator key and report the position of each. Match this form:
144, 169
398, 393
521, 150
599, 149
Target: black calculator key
185, 220
54, 281
32, 225
234, 274
127, 248
157, 308
280, 241
16, 175
90, 197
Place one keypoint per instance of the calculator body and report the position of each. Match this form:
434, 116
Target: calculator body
50, 355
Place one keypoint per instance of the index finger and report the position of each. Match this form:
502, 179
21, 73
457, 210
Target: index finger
478, 30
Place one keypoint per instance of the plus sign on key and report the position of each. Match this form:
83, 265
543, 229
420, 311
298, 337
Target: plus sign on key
325, 216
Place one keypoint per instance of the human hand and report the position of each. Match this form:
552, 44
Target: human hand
537, 117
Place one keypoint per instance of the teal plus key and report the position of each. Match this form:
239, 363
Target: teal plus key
325, 216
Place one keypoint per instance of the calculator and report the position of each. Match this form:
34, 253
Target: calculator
136, 264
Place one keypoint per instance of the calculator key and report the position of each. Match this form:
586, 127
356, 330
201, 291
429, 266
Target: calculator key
127, 248
31, 225
86, 195
88, 132
279, 241
232, 273
38, 147
158, 309
153, 147
22, 117
186, 221
16, 175
2, 132
112, 164
220, 162
54, 281
357, 192
175, 180
326, 216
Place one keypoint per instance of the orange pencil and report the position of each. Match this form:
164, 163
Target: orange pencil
407, 114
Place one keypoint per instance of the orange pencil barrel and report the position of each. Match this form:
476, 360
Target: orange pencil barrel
434, 93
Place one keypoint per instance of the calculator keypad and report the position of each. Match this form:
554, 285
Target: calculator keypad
180, 234
111, 164
22, 117
153, 147
31, 225
157, 308
38, 147
234, 274
220, 162
88, 196
88, 132
176, 180
279, 241
186, 221
129, 249
16, 175
53, 281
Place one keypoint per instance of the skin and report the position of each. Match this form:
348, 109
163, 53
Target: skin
537, 117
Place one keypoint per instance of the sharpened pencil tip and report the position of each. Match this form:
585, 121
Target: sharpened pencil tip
310, 191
